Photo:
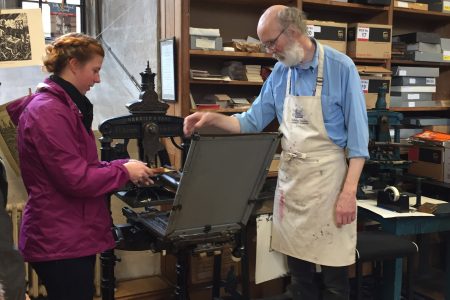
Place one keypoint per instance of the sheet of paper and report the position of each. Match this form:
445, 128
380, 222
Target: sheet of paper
270, 264
385, 213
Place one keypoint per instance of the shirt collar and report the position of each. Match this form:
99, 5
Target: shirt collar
310, 64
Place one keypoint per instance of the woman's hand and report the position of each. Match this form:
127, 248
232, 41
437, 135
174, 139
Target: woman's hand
139, 173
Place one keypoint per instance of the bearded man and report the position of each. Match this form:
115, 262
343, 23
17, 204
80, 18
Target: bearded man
315, 93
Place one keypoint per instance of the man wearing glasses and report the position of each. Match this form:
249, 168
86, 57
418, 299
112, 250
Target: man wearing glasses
315, 93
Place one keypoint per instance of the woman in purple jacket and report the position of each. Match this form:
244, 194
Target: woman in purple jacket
66, 219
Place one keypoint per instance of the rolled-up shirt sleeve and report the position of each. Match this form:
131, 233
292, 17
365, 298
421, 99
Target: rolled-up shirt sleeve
355, 116
262, 111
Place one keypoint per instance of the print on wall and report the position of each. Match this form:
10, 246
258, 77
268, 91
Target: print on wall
21, 37
14, 37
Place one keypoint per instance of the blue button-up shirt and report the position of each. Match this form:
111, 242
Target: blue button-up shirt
343, 104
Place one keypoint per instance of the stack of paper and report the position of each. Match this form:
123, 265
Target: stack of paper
253, 73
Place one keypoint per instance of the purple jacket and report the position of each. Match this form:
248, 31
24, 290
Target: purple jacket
66, 215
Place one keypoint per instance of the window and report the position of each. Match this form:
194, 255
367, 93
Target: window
58, 19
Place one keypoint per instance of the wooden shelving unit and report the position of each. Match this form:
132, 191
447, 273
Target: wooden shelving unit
238, 19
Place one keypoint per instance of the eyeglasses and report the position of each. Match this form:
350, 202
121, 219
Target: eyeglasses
271, 44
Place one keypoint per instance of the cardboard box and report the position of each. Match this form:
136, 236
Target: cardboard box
371, 85
427, 121
372, 78
400, 103
411, 96
424, 56
369, 40
445, 46
206, 42
413, 81
414, 89
415, 71
424, 47
329, 33
417, 6
438, 128
438, 5
433, 162
373, 2
416, 37
202, 267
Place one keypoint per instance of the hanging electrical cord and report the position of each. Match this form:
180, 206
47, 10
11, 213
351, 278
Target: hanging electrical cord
132, 78
100, 37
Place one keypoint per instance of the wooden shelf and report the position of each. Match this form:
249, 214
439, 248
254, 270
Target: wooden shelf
343, 6
419, 63
221, 110
230, 54
258, 3
370, 61
432, 108
422, 14
222, 82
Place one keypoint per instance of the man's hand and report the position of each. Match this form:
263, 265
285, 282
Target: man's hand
195, 121
204, 119
345, 208
346, 202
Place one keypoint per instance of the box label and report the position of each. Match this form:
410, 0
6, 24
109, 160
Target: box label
363, 34
310, 30
411, 104
412, 81
446, 54
205, 44
446, 6
430, 81
401, 4
365, 85
402, 73
413, 96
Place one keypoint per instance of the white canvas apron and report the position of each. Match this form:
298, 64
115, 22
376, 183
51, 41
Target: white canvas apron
310, 178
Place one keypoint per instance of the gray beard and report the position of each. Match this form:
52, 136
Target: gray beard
292, 56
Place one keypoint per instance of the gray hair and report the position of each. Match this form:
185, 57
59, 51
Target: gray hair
293, 16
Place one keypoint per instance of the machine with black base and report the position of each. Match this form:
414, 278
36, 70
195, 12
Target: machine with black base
208, 202
147, 123
390, 198
385, 166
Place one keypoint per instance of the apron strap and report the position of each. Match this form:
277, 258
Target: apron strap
288, 83
319, 81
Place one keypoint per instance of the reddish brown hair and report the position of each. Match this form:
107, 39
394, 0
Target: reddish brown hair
72, 45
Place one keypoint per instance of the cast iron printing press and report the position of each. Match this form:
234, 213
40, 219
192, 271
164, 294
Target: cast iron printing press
187, 211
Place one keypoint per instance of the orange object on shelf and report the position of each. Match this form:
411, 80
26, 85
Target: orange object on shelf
433, 136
